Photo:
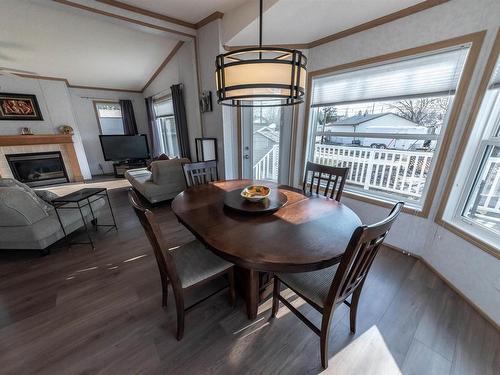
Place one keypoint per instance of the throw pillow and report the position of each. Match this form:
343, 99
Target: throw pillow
10, 182
159, 157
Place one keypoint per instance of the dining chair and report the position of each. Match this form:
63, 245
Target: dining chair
327, 288
201, 172
325, 174
184, 267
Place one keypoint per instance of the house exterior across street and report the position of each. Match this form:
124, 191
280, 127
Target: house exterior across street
376, 123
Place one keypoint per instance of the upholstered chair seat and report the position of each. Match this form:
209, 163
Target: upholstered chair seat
311, 285
195, 263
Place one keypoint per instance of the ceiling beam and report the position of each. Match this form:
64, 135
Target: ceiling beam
145, 12
123, 18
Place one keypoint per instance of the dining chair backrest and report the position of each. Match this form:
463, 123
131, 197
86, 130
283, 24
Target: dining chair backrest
201, 172
163, 257
358, 257
319, 177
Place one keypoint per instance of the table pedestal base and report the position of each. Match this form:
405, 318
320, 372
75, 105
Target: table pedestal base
257, 286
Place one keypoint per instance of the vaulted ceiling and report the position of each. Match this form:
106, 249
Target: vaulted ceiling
54, 40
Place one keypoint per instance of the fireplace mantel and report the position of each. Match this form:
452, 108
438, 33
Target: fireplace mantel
36, 139
64, 141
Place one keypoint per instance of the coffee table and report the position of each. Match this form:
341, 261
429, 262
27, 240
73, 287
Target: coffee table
80, 199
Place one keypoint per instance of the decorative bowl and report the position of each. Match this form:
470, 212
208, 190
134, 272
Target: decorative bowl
255, 193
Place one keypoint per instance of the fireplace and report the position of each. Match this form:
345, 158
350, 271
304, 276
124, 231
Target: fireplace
36, 169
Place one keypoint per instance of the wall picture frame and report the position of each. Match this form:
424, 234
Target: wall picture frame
19, 107
206, 102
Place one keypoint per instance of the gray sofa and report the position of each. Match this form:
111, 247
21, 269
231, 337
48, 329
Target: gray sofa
163, 182
29, 222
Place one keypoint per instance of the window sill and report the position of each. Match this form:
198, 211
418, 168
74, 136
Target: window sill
467, 236
412, 210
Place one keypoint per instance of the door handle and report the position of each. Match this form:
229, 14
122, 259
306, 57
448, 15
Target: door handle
246, 156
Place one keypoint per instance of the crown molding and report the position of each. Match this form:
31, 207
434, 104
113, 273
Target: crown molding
46, 78
103, 88
145, 12
65, 80
424, 5
163, 17
212, 17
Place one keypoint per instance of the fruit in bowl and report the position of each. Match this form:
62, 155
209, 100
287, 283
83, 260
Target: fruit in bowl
255, 193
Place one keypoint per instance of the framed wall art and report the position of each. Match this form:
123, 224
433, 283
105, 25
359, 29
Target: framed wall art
19, 107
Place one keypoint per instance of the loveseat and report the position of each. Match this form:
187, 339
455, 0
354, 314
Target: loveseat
163, 181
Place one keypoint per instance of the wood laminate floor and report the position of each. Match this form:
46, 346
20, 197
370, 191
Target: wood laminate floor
83, 312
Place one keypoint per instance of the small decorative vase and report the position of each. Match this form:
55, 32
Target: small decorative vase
66, 129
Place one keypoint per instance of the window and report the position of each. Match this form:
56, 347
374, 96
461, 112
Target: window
165, 126
474, 201
385, 123
109, 117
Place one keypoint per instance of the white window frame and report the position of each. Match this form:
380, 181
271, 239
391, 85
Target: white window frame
95, 104
482, 136
381, 197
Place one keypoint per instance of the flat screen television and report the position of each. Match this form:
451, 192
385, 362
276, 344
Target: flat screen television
124, 147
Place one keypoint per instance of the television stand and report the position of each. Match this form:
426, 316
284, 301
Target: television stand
120, 167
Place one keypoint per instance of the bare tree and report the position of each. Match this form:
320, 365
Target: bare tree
428, 112
327, 115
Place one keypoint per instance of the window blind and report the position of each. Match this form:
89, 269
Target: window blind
430, 75
163, 108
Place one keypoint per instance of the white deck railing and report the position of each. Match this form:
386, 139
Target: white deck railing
396, 171
267, 167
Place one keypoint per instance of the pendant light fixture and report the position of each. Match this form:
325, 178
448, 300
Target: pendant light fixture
260, 77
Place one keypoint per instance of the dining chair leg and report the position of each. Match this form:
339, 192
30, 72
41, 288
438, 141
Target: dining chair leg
354, 307
232, 289
324, 336
164, 299
276, 292
179, 306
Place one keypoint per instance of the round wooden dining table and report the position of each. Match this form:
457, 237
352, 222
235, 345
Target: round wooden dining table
307, 233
